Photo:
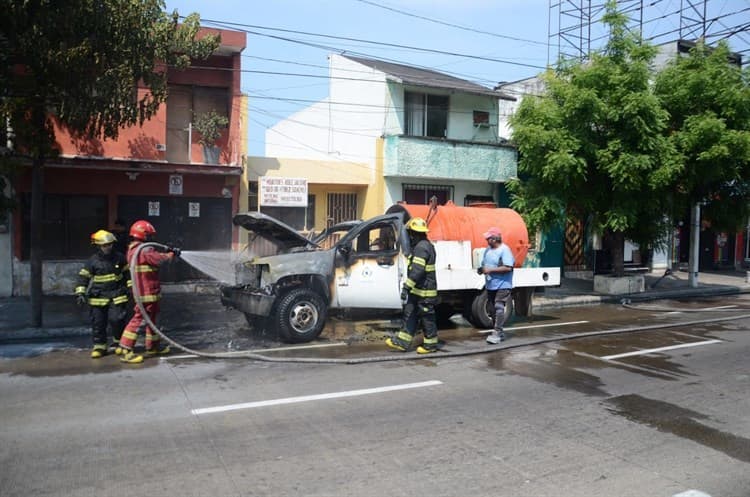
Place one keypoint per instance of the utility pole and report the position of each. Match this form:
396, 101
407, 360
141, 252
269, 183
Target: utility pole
695, 242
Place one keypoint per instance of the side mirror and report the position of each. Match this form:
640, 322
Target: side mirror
345, 249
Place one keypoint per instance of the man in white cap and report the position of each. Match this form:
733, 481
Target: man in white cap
497, 267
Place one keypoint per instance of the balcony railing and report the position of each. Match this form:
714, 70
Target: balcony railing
450, 159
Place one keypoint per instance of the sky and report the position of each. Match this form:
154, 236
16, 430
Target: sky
495, 41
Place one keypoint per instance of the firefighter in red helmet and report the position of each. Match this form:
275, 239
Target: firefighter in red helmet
103, 283
146, 269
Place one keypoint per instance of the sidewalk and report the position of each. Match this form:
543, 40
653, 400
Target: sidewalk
576, 292
62, 317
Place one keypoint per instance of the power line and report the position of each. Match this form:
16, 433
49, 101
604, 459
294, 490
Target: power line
444, 23
247, 28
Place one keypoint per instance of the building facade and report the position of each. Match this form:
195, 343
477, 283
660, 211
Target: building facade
415, 133
157, 171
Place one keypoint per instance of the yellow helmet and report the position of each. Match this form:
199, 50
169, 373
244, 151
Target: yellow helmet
103, 237
417, 224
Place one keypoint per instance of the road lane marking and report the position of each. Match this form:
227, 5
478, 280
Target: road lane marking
704, 309
308, 398
658, 349
513, 328
260, 351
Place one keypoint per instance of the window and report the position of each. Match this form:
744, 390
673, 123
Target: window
299, 218
183, 104
481, 118
470, 200
426, 115
378, 238
67, 224
421, 194
341, 207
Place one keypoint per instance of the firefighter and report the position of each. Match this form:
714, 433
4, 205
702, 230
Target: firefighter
146, 269
104, 284
419, 293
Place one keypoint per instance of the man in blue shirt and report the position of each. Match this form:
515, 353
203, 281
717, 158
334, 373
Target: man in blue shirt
497, 267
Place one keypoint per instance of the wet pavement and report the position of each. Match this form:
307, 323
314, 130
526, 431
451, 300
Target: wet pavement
193, 316
558, 418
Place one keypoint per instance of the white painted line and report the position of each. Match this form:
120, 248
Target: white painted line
659, 349
705, 309
260, 351
512, 328
308, 398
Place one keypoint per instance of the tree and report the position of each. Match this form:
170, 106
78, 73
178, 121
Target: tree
708, 100
80, 62
593, 146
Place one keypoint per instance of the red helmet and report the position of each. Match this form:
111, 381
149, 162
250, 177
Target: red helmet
142, 230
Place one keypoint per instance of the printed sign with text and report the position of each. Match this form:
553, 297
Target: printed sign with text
282, 192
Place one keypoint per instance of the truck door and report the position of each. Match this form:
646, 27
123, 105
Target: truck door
369, 268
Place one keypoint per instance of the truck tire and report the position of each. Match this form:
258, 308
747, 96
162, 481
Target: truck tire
483, 314
300, 316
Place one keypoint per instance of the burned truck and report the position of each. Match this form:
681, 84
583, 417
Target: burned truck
362, 265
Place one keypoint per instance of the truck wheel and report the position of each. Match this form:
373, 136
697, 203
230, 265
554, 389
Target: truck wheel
300, 316
483, 313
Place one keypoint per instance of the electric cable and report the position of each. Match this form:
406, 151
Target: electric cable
389, 358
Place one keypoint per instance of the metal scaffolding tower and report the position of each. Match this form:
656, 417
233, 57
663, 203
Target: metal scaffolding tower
576, 29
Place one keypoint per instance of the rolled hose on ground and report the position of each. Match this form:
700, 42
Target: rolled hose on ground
385, 358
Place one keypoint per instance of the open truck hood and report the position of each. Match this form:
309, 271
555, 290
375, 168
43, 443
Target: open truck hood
272, 229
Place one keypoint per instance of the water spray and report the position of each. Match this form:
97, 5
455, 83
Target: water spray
385, 358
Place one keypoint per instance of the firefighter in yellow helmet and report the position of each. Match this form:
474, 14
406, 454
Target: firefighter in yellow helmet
104, 284
419, 293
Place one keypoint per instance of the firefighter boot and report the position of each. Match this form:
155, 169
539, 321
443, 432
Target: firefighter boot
130, 357
116, 348
98, 351
400, 342
158, 351
429, 345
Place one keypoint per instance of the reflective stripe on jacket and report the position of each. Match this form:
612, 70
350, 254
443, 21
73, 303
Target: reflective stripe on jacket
420, 278
104, 279
146, 270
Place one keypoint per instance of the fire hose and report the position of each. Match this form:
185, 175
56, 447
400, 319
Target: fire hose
385, 358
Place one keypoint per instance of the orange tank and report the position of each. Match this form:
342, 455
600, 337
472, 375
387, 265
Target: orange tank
451, 222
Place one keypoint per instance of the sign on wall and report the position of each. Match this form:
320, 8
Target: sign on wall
175, 184
194, 209
282, 192
153, 208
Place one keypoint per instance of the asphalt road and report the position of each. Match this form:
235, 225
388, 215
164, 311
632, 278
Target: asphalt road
652, 413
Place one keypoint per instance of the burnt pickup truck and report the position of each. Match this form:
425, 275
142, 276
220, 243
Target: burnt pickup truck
356, 265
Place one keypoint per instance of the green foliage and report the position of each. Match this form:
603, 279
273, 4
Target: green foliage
708, 100
209, 125
593, 146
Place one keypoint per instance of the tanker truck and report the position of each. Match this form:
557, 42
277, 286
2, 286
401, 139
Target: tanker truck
362, 265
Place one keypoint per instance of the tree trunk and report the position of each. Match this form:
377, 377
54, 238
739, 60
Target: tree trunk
618, 253
38, 120
37, 197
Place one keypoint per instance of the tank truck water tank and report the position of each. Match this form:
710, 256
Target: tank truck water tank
451, 222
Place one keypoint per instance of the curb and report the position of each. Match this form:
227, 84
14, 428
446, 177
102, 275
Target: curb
43, 333
580, 300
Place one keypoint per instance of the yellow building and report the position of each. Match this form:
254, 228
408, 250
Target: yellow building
337, 191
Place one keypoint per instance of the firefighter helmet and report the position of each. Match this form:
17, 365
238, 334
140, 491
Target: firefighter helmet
417, 224
102, 237
142, 230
